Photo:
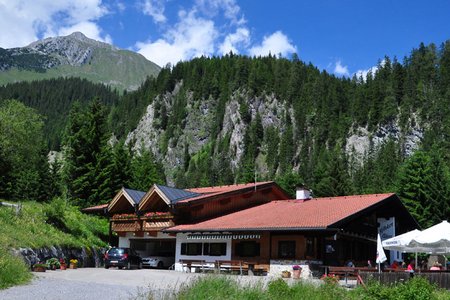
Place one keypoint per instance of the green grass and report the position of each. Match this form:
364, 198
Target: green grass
13, 270
220, 287
42, 225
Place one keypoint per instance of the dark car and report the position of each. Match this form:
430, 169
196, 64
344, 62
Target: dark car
122, 258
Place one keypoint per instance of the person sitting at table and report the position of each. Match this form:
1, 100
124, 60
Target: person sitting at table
436, 266
395, 265
410, 267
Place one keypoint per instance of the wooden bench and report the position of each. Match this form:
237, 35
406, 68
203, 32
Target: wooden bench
395, 270
189, 263
231, 265
346, 272
254, 267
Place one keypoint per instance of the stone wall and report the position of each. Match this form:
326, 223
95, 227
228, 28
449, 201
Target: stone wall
277, 266
86, 256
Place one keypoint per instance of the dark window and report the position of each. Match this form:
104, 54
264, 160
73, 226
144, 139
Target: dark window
286, 249
247, 249
310, 247
191, 248
115, 251
215, 249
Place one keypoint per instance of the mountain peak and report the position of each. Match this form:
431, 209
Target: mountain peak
75, 49
78, 55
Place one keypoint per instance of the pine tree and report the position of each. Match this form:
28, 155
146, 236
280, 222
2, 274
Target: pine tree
88, 157
146, 171
415, 181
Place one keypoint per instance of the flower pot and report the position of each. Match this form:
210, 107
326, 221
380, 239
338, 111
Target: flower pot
296, 274
73, 266
63, 267
286, 274
39, 269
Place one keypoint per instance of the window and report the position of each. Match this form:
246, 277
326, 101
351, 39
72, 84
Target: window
310, 247
247, 249
215, 249
286, 249
191, 248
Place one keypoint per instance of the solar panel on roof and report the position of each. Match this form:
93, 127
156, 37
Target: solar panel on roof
175, 195
135, 195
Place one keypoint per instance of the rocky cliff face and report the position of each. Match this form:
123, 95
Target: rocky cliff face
360, 141
200, 117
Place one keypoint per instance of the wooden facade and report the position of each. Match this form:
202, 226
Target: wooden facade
140, 214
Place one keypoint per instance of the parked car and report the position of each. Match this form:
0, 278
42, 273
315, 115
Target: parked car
161, 260
122, 258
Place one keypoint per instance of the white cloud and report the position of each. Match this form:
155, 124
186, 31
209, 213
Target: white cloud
232, 40
372, 70
89, 29
191, 37
340, 70
207, 28
121, 6
231, 10
276, 43
24, 23
155, 9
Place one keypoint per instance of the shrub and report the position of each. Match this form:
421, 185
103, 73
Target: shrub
279, 288
13, 270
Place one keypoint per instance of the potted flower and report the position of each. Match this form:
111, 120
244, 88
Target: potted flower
285, 274
53, 263
296, 271
39, 267
73, 263
330, 279
62, 263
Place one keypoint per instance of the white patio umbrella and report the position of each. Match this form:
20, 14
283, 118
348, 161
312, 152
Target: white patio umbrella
381, 256
400, 242
435, 239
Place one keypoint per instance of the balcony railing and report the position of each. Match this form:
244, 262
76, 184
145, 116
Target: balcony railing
126, 226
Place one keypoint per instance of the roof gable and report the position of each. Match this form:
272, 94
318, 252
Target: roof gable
159, 195
135, 195
174, 195
125, 199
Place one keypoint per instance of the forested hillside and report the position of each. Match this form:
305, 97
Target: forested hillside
229, 119
53, 99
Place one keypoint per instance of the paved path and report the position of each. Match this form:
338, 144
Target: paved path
96, 284
111, 284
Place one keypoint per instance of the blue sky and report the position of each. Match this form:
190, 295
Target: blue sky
340, 36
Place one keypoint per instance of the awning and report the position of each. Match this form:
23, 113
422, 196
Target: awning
223, 236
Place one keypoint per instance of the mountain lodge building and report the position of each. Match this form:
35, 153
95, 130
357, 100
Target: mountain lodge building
256, 223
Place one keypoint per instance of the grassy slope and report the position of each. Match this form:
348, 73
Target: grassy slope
120, 69
41, 225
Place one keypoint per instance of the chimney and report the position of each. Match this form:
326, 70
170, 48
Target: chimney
302, 193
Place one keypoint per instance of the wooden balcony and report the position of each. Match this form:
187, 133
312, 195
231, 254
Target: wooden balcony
126, 226
149, 225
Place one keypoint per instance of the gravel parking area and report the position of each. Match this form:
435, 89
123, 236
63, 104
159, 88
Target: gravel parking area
111, 284
97, 283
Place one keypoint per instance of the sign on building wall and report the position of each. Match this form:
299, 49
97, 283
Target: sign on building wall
387, 230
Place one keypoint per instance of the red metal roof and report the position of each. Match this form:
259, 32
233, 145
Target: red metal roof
208, 192
226, 188
316, 213
100, 207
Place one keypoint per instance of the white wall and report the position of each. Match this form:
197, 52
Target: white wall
182, 238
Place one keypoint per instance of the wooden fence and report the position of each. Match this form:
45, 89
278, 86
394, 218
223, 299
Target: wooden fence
441, 279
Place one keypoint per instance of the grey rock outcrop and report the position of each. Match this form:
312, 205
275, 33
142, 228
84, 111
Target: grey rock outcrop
86, 256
